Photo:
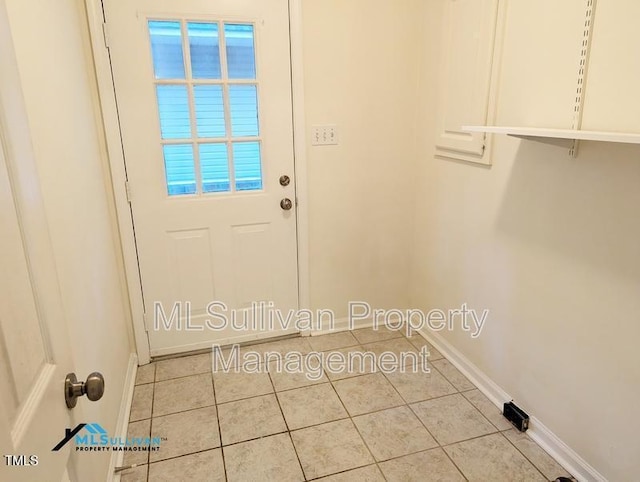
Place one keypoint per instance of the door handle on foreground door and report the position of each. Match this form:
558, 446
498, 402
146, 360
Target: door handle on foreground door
93, 388
286, 204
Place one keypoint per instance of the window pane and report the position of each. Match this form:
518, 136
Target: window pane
247, 166
243, 103
209, 110
241, 60
180, 169
166, 49
204, 43
173, 105
215, 168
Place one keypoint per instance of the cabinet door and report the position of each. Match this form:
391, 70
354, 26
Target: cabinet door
469, 30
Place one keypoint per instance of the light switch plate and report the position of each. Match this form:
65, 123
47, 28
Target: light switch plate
326, 135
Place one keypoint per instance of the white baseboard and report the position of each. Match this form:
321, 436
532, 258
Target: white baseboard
122, 425
550, 442
342, 324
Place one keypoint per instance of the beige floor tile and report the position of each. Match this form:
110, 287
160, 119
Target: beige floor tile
136, 474
454, 375
269, 459
452, 419
406, 353
238, 385
204, 466
488, 409
492, 458
329, 445
370, 473
234, 356
430, 466
250, 418
419, 341
311, 406
536, 455
141, 429
146, 374
180, 394
330, 448
141, 403
289, 376
332, 341
367, 393
289, 345
183, 366
256, 351
338, 367
185, 433
418, 386
370, 335
434, 354
393, 432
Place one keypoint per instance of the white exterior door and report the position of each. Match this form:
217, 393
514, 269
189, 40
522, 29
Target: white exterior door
204, 100
34, 344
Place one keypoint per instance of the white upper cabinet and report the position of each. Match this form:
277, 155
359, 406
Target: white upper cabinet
469, 30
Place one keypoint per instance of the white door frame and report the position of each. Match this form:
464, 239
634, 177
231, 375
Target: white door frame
99, 39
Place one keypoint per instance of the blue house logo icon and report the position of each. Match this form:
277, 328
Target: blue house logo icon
95, 437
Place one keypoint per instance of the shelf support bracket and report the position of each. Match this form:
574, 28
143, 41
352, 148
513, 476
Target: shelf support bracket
585, 50
573, 150
554, 141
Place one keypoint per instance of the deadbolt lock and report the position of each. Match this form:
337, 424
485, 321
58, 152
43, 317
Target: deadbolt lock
285, 180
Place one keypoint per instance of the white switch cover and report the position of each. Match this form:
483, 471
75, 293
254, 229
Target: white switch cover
324, 135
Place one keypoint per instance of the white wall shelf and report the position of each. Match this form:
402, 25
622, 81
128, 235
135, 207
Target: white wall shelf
548, 135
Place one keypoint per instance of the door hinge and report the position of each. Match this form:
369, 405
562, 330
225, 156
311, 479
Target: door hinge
127, 188
105, 34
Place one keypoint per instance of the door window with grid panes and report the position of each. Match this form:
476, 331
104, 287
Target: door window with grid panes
207, 96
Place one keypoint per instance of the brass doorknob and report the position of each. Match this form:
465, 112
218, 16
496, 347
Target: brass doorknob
286, 204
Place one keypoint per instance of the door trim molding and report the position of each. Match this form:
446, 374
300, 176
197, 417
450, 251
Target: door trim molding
300, 151
122, 424
109, 110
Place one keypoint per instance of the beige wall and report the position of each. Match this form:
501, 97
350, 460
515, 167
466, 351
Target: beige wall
361, 73
52, 50
548, 243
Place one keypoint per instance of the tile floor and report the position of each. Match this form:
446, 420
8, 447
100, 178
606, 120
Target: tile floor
361, 426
